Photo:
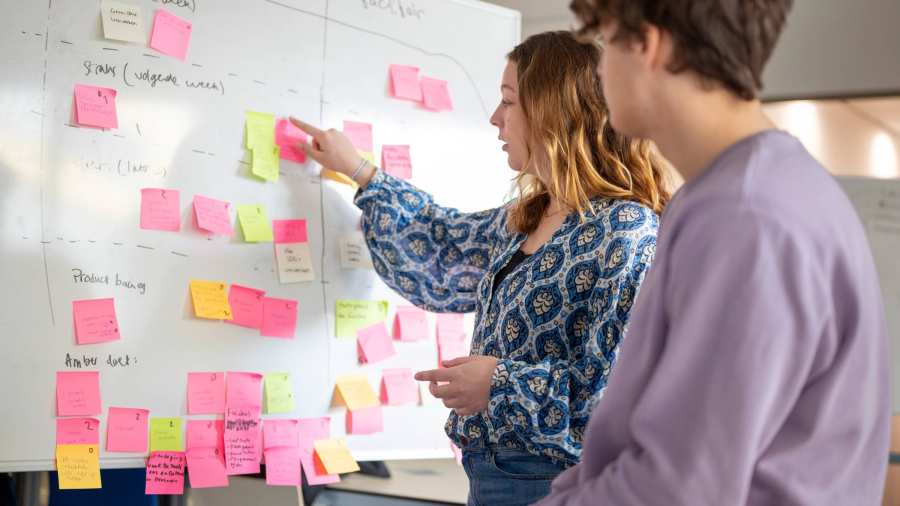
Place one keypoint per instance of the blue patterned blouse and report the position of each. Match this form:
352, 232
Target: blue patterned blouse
555, 322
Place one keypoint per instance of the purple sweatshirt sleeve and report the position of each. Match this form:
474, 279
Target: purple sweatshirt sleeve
737, 298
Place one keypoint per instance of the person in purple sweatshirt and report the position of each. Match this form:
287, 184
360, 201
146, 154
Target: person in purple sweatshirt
755, 370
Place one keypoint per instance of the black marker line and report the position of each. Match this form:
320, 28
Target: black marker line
150, 55
145, 247
179, 254
65, 42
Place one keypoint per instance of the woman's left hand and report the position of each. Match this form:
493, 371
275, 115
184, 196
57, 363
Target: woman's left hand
467, 387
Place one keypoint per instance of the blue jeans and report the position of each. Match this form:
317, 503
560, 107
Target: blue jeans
507, 477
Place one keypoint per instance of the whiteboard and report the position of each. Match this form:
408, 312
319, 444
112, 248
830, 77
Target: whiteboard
878, 203
71, 196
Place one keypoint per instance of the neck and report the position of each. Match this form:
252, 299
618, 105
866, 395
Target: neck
699, 126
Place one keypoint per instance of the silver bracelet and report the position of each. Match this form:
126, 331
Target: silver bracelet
362, 164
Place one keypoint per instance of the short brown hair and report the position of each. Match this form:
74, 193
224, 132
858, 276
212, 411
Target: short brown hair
727, 42
562, 100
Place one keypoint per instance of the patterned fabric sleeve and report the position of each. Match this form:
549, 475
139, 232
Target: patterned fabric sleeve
549, 402
433, 256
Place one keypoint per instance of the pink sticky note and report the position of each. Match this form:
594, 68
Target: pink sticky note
212, 215
288, 138
360, 134
165, 473
435, 94
171, 35
410, 324
243, 440
126, 430
160, 209
374, 344
312, 429
279, 318
395, 161
450, 325
405, 83
206, 467
281, 433
283, 466
205, 434
457, 453
450, 348
365, 420
95, 106
289, 231
246, 306
77, 393
244, 390
398, 386
206, 393
95, 321
77, 431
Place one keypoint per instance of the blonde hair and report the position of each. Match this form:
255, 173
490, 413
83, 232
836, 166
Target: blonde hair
562, 100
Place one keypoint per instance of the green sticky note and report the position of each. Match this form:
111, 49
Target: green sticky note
265, 163
255, 223
166, 435
279, 393
352, 315
260, 130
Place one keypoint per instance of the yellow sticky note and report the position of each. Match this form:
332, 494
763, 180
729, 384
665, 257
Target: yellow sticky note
279, 393
78, 466
210, 300
352, 315
355, 392
260, 130
337, 176
255, 223
334, 456
166, 435
266, 163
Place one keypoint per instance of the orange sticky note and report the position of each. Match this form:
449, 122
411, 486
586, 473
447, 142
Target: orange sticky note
281, 433
365, 420
77, 431
210, 300
165, 473
206, 393
373, 344
171, 35
160, 209
435, 94
410, 324
337, 176
246, 306
244, 390
205, 434
212, 215
354, 392
405, 83
77, 393
206, 467
360, 134
289, 138
334, 456
95, 321
78, 466
279, 318
311, 430
126, 430
395, 161
398, 386
95, 106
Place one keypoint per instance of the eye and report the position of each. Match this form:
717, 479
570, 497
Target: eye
506, 103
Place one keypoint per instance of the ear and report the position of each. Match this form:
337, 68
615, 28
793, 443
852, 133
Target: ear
656, 48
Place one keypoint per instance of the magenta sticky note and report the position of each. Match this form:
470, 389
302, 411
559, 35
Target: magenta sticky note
165, 473
289, 231
410, 324
450, 325
395, 161
77, 431
365, 420
289, 138
281, 433
77, 393
205, 434
312, 429
243, 440
436, 95
374, 344
206, 467
126, 430
405, 83
450, 348
246, 306
279, 318
95, 106
206, 393
360, 134
398, 386
171, 35
160, 209
244, 390
283, 466
212, 215
95, 321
